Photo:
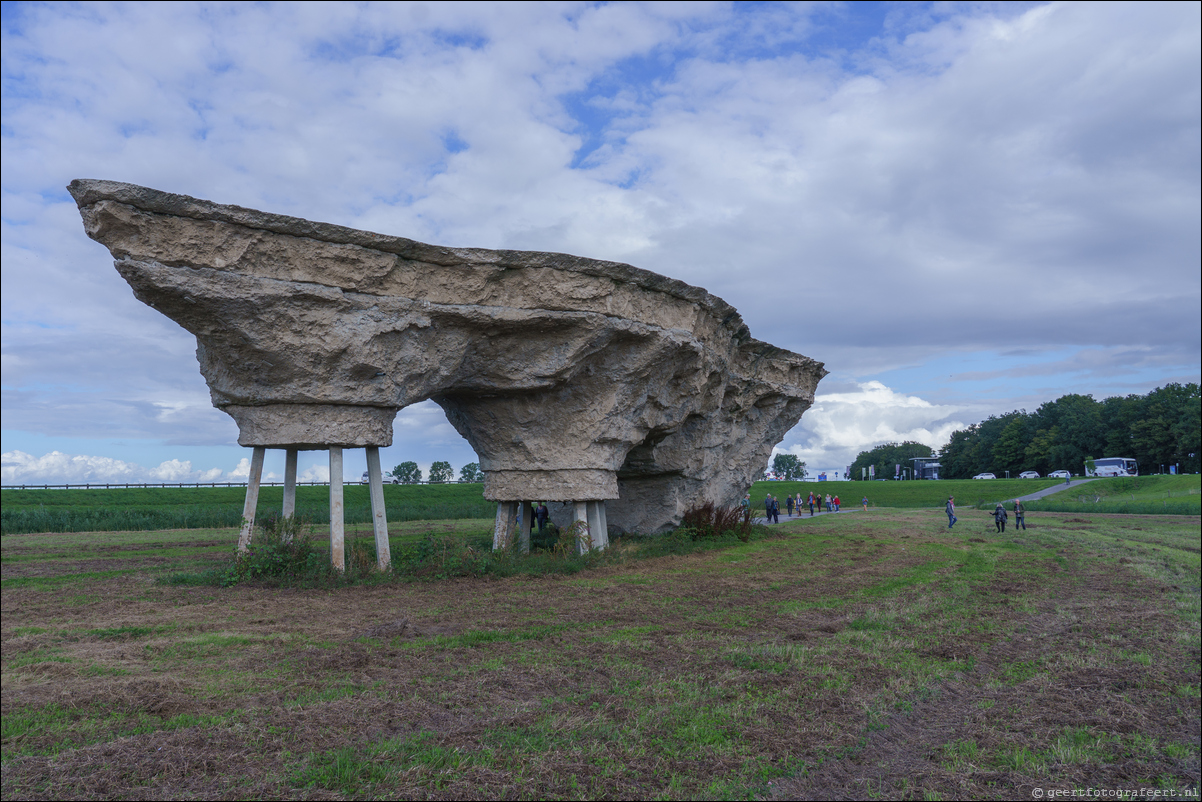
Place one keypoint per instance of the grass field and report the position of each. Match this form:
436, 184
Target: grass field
133, 509
152, 508
1164, 495
864, 655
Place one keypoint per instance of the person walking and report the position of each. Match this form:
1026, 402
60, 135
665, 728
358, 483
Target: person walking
951, 512
768, 507
811, 501
827, 502
1020, 516
864, 501
836, 500
999, 517
789, 506
541, 514
775, 510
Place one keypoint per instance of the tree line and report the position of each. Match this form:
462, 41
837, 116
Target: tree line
1159, 429
407, 473
885, 458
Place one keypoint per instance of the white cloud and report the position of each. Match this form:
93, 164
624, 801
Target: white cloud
314, 473
840, 425
18, 467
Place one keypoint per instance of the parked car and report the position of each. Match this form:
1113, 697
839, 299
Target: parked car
1060, 475
984, 476
387, 479
1029, 475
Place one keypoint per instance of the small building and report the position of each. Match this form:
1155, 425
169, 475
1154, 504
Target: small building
926, 467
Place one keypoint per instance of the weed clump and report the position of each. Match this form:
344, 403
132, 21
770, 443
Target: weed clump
284, 549
709, 520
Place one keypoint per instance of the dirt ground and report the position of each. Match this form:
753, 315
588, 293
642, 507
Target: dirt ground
849, 661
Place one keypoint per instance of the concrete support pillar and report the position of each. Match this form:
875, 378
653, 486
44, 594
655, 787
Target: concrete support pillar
337, 525
375, 481
289, 509
527, 522
584, 540
504, 529
597, 524
252, 497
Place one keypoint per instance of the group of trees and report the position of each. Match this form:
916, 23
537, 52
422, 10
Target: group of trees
1159, 429
788, 467
407, 473
885, 458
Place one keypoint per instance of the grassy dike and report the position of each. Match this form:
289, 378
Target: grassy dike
868, 654
133, 509
1164, 495
152, 508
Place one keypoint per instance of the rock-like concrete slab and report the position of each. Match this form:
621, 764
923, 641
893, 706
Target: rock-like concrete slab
573, 379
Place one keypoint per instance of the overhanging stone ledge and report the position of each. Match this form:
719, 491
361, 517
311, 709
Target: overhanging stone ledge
312, 426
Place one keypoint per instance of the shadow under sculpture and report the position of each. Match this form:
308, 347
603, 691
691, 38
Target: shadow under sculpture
625, 394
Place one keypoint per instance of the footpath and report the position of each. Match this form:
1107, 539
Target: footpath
1047, 491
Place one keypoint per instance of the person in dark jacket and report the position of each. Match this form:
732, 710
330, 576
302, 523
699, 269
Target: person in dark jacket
951, 512
541, 514
999, 517
1020, 516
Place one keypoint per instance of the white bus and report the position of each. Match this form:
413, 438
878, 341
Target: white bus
1113, 466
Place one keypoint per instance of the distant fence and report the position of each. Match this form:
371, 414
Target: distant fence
123, 485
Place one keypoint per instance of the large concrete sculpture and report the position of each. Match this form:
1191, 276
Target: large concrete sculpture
631, 395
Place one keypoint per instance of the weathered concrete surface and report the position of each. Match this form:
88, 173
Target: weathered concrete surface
573, 379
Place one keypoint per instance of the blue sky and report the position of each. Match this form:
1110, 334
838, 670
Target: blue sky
962, 209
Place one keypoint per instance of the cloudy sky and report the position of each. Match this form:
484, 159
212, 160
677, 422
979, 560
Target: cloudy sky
962, 209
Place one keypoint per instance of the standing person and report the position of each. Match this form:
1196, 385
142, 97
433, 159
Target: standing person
541, 515
999, 517
864, 501
746, 504
1020, 516
768, 508
836, 502
951, 511
775, 510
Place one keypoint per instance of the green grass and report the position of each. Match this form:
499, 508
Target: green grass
1144, 495
153, 508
